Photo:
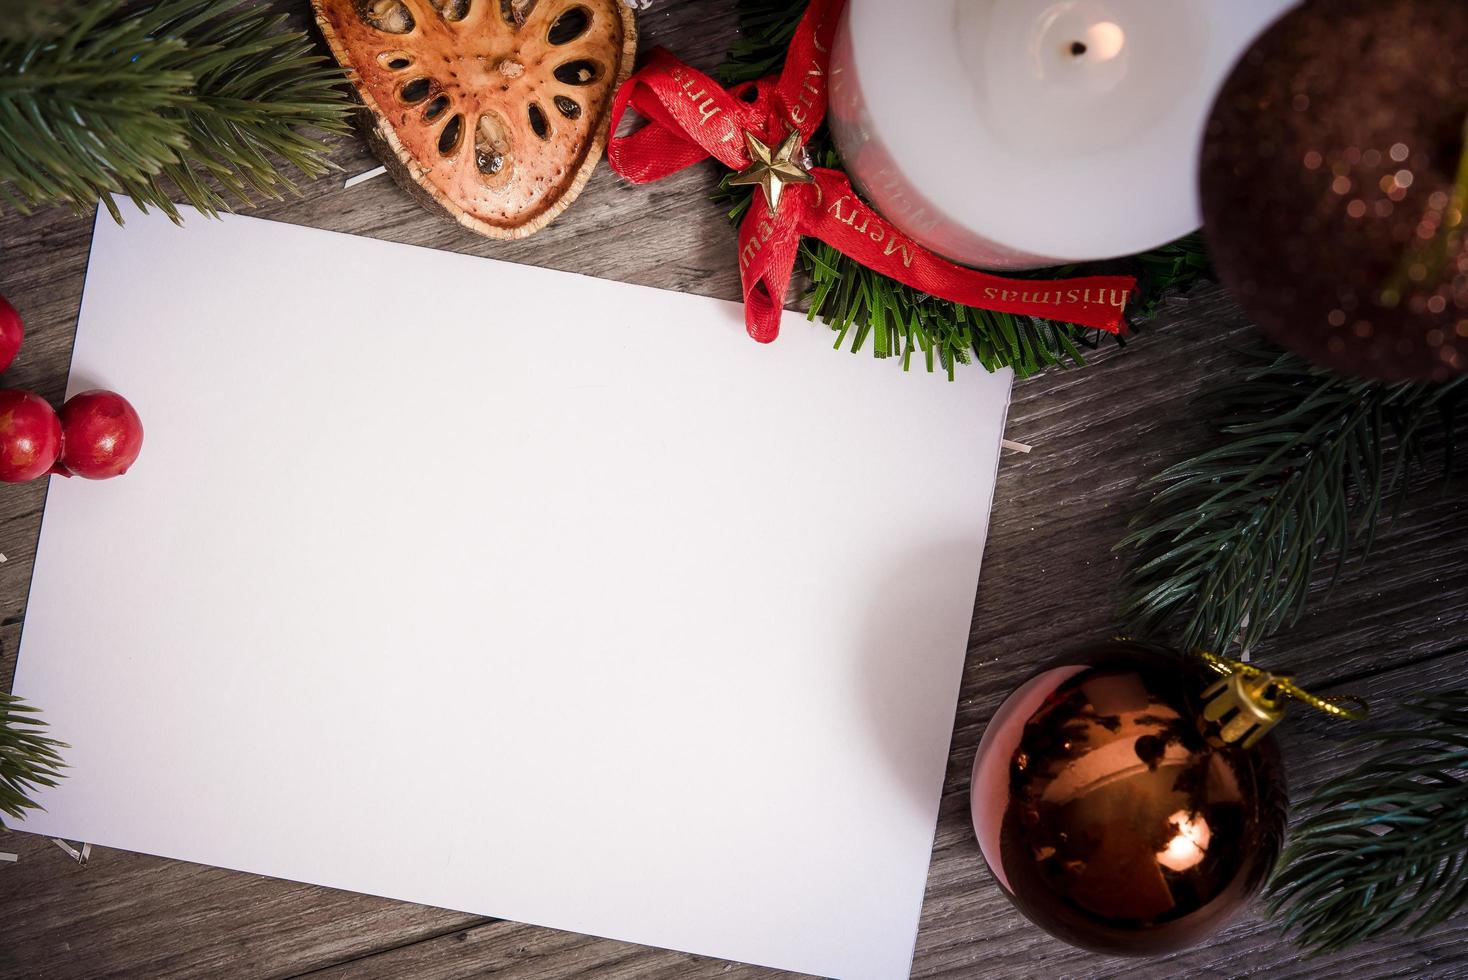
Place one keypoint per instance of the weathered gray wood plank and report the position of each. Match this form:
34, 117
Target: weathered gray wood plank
130, 915
1049, 581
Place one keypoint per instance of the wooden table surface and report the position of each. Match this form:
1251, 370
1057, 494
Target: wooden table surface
1395, 625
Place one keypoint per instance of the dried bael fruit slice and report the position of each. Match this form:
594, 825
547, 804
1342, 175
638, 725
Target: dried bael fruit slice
492, 110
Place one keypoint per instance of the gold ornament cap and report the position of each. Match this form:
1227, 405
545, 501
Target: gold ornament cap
1245, 708
1247, 702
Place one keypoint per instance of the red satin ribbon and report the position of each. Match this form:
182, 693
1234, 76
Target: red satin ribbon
690, 117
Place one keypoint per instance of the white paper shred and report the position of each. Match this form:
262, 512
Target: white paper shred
351, 182
80, 857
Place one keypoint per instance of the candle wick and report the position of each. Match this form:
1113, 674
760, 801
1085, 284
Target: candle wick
1077, 48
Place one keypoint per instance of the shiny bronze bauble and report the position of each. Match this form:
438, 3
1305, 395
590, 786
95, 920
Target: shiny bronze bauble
1111, 814
1327, 181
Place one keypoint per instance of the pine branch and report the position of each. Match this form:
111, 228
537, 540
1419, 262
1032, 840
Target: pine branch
1230, 543
765, 30
28, 757
79, 117
1383, 848
1165, 269
861, 305
192, 96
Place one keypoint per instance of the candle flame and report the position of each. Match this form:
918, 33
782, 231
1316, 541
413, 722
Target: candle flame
1104, 41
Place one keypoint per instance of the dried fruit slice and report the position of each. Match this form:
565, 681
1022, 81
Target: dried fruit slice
492, 110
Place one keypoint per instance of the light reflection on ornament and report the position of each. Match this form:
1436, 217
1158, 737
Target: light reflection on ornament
1189, 845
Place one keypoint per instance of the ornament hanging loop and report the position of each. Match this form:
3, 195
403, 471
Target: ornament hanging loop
1246, 702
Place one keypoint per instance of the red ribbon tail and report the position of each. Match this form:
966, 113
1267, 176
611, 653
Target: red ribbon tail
839, 218
767, 247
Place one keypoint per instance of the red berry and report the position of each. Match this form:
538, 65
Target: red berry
102, 434
30, 436
11, 333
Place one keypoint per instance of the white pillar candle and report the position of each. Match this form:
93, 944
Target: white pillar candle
1023, 133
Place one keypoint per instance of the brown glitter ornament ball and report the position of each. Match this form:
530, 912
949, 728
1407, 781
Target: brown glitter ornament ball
1328, 177
1107, 813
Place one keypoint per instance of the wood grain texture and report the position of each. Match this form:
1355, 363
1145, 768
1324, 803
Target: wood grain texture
1395, 624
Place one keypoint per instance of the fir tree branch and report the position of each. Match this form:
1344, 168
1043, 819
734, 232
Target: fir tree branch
861, 305
1383, 848
765, 30
79, 116
1230, 543
191, 96
28, 757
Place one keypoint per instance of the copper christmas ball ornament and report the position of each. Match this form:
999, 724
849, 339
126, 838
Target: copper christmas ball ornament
1112, 814
1333, 181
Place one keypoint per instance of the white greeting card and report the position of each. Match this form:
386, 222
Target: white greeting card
510, 591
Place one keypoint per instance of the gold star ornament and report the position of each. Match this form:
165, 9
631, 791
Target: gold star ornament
772, 170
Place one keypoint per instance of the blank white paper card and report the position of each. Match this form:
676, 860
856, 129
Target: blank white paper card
510, 591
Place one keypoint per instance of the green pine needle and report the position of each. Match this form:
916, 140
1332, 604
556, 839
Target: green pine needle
178, 97
1383, 848
1229, 545
28, 757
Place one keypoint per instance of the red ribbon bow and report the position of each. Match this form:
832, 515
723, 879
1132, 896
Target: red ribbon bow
691, 117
